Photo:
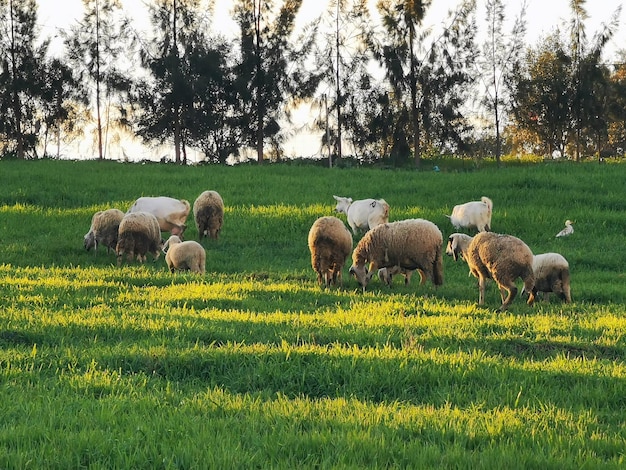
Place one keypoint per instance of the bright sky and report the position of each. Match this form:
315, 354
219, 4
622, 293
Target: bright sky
542, 16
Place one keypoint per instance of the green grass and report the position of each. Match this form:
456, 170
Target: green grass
254, 366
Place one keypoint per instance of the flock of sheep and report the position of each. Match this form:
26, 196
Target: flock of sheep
386, 248
137, 232
406, 246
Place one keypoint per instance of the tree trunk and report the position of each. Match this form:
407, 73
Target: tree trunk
17, 105
414, 110
259, 84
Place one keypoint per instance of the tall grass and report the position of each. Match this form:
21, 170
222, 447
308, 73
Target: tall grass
253, 365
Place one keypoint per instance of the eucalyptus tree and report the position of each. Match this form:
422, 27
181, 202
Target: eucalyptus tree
541, 100
272, 73
342, 59
432, 69
180, 63
212, 119
21, 76
63, 99
96, 47
399, 55
501, 50
586, 58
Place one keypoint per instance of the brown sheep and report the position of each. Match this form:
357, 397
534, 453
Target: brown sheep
330, 243
410, 244
139, 234
503, 258
208, 212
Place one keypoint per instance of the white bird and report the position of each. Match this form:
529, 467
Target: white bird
568, 230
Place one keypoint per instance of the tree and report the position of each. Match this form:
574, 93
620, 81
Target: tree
401, 20
540, 100
62, 96
585, 58
272, 69
96, 46
21, 75
500, 52
432, 71
342, 60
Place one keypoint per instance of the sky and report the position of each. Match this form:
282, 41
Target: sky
542, 16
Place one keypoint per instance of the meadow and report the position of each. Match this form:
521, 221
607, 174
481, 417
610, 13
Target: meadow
253, 365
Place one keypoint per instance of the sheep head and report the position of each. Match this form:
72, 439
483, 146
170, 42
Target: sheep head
90, 240
361, 274
457, 245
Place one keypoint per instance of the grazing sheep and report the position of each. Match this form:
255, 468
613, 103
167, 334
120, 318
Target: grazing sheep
502, 258
364, 214
139, 234
410, 244
184, 256
473, 215
567, 231
552, 275
208, 212
170, 213
103, 230
386, 275
330, 243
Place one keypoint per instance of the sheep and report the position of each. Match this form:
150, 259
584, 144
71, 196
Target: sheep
139, 234
473, 215
552, 275
386, 275
364, 214
502, 258
184, 255
208, 212
171, 213
410, 244
330, 244
567, 231
103, 231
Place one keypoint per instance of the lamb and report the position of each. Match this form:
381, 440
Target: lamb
364, 214
386, 275
170, 213
184, 255
552, 275
139, 234
330, 243
473, 215
208, 212
502, 258
410, 244
103, 230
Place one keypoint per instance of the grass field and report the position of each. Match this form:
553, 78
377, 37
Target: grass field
252, 365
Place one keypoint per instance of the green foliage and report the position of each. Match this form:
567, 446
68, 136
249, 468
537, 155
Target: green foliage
254, 365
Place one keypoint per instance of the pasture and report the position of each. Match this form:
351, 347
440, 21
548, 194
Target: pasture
252, 365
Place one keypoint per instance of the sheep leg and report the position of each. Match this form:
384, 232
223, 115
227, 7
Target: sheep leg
481, 290
512, 291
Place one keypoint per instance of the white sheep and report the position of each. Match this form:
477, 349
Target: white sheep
552, 275
473, 215
410, 244
503, 258
170, 213
103, 231
330, 244
208, 213
139, 233
364, 214
184, 255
